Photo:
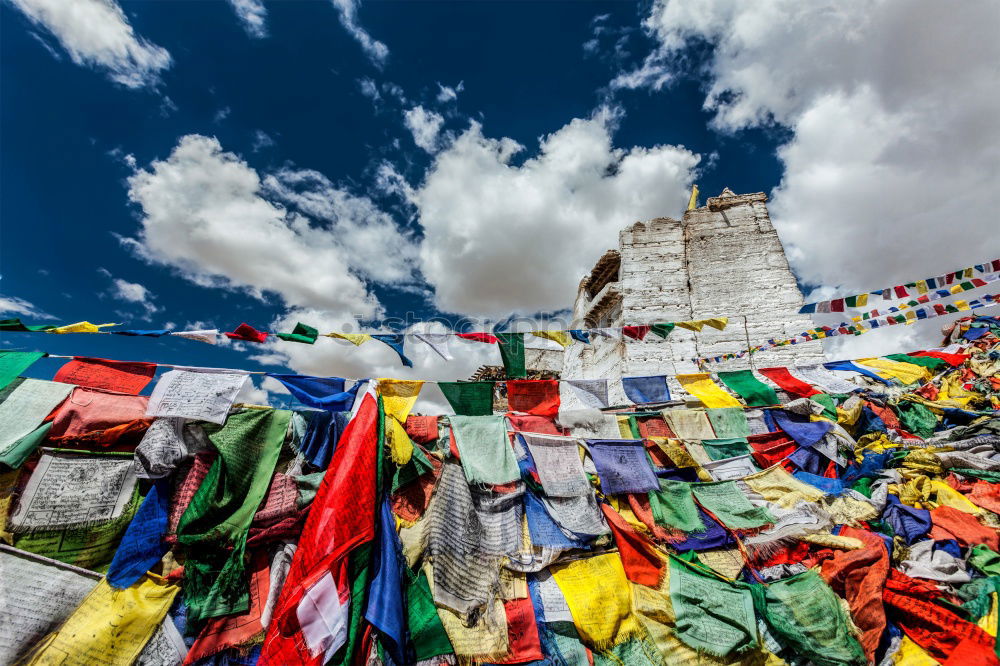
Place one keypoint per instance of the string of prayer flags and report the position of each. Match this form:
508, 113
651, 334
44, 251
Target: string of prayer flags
646, 390
119, 376
469, 398
395, 342
143, 333
301, 333
538, 396
247, 333
903, 290
512, 354
13, 363
327, 393
701, 386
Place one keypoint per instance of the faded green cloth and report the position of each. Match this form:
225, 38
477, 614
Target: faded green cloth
13, 363
427, 634
829, 405
804, 613
220, 513
301, 333
986, 561
729, 422
925, 361
720, 449
663, 329
512, 353
753, 391
15, 455
484, 449
15, 326
638, 651
985, 475
469, 398
728, 503
712, 615
916, 418
673, 506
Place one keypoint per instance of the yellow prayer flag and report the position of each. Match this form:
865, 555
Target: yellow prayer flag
693, 201
718, 323
956, 289
110, 626
692, 325
398, 397
921, 286
907, 373
79, 327
862, 300
599, 599
701, 386
967, 272
562, 337
962, 306
356, 339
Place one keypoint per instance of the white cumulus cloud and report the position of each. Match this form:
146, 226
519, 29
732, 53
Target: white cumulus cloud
501, 237
97, 33
12, 306
207, 214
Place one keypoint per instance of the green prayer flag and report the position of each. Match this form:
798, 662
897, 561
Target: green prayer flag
916, 419
925, 361
13, 363
804, 613
728, 422
427, 634
662, 329
986, 561
720, 449
512, 353
728, 503
469, 398
15, 454
673, 506
301, 333
484, 449
712, 615
15, 326
829, 406
220, 513
753, 391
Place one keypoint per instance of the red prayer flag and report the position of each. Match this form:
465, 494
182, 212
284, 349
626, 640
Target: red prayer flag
247, 333
837, 305
641, 562
636, 332
524, 643
533, 396
342, 518
901, 291
100, 373
951, 359
479, 337
784, 379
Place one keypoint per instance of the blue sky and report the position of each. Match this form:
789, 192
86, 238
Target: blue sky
207, 163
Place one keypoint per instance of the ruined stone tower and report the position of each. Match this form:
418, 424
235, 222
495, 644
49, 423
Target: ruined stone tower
723, 259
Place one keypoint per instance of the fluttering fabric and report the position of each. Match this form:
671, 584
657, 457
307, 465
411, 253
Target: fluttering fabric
730, 506
788, 383
622, 466
398, 397
142, 546
247, 333
196, 395
469, 398
599, 599
645, 390
395, 342
119, 376
753, 391
21, 415
689, 423
539, 397
592, 393
484, 449
322, 433
729, 422
557, 461
713, 615
90, 411
301, 333
673, 506
13, 363
327, 393
221, 510
512, 353
701, 386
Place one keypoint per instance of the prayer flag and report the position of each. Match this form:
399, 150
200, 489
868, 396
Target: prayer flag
247, 333
469, 398
301, 333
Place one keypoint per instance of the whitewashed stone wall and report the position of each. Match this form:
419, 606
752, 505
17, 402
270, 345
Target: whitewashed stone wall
724, 259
